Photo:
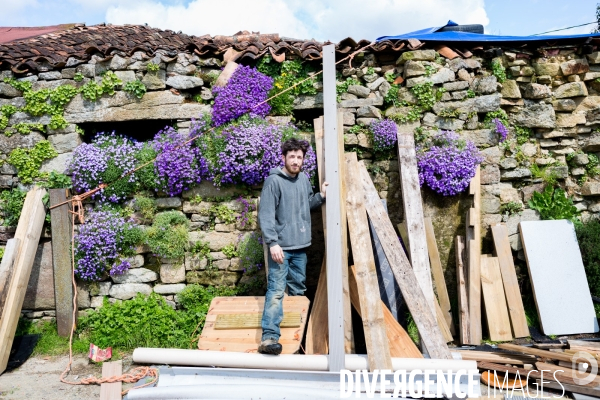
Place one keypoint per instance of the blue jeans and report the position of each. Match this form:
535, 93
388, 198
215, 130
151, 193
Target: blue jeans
292, 273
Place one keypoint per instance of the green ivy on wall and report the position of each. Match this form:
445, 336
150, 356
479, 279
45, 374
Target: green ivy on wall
28, 161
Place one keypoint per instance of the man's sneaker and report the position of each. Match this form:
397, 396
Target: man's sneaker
269, 346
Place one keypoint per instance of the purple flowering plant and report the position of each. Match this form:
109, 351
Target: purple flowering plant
102, 244
245, 90
385, 134
501, 129
105, 160
447, 163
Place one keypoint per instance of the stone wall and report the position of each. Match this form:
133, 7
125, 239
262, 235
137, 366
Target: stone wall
556, 95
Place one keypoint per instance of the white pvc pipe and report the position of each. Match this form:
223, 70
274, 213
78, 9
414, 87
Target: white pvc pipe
228, 359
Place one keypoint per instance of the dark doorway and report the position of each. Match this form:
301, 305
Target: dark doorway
141, 130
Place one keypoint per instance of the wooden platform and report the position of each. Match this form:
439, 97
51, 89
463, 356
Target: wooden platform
247, 340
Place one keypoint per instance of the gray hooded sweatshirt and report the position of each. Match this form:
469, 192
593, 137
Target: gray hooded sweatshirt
285, 205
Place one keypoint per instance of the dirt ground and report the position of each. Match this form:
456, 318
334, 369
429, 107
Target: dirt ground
38, 379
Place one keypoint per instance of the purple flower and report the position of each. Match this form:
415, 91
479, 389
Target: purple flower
447, 163
245, 92
500, 129
385, 134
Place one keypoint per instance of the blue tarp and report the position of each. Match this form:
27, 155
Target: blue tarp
432, 35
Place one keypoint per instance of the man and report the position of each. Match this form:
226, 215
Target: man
284, 217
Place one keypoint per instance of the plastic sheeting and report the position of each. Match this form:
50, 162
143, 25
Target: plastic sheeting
433, 35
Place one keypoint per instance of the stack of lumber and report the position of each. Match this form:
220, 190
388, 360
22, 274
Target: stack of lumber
563, 369
16, 266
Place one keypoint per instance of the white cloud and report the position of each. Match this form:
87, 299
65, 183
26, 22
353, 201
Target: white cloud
322, 20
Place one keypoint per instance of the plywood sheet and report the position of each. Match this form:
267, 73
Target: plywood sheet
560, 287
247, 340
243, 321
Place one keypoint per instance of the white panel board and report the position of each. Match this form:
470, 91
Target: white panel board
560, 287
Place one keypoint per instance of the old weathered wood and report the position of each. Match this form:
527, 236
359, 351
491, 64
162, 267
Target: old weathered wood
29, 230
61, 261
439, 317
474, 261
573, 388
317, 332
111, 391
536, 352
496, 357
6, 268
246, 340
376, 341
246, 321
347, 307
493, 296
563, 371
438, 274
416, 301
399, 342
335, 211
581, 344
463, 304
413, 212
509, 280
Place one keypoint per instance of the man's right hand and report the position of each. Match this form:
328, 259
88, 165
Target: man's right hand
277, 254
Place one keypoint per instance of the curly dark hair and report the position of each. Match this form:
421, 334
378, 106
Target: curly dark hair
294, 144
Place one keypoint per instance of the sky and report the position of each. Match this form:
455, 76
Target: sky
305, 19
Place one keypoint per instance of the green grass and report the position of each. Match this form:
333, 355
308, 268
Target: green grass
50, 344
412, 329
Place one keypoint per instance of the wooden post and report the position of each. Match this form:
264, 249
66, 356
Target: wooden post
413, 211
378, 350
28, 232
463, 304
335, 210
61, 261
424, 317
6, 268
474, 261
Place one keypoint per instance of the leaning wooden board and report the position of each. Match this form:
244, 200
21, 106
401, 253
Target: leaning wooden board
560, 287
29, 230
247, 340
494, 300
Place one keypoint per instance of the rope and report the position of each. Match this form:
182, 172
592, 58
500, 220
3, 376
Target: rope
77, 213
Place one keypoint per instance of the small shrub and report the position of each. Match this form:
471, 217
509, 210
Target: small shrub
250, 251
498, 70
146, 206
28, 161
588, 236
152, 67
168, 236
511, 208
553, 203
229, 251
135, 88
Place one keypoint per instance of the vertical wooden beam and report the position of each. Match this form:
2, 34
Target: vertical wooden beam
413, 211
509, 278
61, 261
424, 317
334, 206
378, 350
495, 304
111, 391
28, 232
317, 332
474, 260
463, 304
438, 274
6, 268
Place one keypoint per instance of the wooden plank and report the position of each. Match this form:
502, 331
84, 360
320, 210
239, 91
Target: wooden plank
400, 344
439, 317
581, 343
347, 307
463, 304
335, 211
496, 357
378, 351
474, 261
495, 304
413, 213
29, 230
536, 352
403, 230
6, 268
438, 274
403, 272
563, 371
509, 280
245, 321
61, 261
111, 391
558, 279
247, 340
590, 391
317, 332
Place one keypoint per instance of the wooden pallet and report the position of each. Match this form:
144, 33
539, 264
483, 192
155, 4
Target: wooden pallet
247, 340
